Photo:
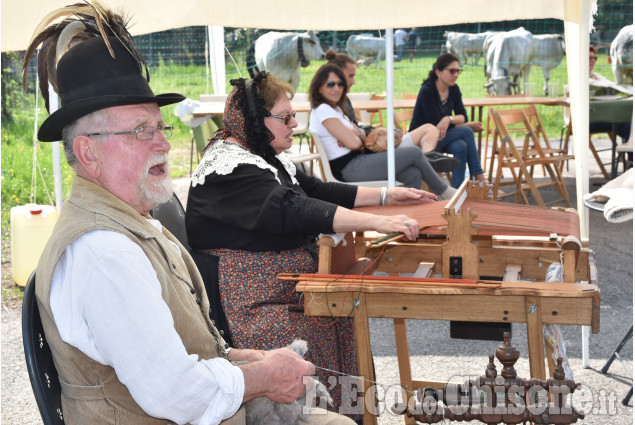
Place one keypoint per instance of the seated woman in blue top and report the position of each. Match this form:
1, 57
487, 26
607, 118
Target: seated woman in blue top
439, 103
344, 142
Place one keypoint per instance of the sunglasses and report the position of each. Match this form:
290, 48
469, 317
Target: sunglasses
332, 84
286, 118
593, 58
454, 71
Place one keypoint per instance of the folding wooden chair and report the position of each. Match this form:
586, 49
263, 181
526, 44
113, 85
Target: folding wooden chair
402, 120
520, 160
559, 154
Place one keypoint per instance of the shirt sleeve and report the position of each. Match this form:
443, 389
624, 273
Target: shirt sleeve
106, 301
252, 199
338, 193
426, 110
459, 108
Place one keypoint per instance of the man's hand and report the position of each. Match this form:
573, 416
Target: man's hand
246, 355
282, 376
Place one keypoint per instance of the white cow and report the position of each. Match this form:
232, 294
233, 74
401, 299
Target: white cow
283, 53
507, 59
547, 52
363, 46
622, 55
465, 45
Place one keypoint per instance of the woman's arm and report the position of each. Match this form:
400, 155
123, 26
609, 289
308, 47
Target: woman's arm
370, 196
346, 220
351, 221
349, 138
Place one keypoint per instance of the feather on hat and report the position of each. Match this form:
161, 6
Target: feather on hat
91, 61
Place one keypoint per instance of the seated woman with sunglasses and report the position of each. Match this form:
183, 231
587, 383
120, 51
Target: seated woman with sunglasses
344, 142
250, 208
439, 103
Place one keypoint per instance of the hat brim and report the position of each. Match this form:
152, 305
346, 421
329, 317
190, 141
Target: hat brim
51, 128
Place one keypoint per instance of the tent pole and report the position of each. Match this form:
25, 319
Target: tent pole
216, 35
390, 108
55, 151
577, 39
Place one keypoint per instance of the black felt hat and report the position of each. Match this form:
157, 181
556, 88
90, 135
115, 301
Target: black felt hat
90, 79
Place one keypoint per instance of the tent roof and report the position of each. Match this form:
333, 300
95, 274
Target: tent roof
20, 17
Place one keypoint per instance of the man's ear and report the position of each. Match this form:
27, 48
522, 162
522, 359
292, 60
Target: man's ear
86, 154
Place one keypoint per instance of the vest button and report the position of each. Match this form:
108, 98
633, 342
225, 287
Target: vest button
198, 301
193, 291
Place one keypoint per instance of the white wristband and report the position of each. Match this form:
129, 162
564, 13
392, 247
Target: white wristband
382, 196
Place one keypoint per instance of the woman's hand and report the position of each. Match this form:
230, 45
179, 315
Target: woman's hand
443, 126
408, 196
396, 223
475, 126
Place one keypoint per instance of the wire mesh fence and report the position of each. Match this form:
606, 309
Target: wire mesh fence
178, 59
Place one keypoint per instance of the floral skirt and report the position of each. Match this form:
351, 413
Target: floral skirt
265, 313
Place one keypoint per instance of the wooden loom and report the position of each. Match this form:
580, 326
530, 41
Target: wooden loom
476, 238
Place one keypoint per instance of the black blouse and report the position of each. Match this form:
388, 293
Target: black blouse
250, 210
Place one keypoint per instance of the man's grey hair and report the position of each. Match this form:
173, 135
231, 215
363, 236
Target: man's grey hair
93, 122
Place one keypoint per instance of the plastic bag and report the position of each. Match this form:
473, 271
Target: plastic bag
552, 333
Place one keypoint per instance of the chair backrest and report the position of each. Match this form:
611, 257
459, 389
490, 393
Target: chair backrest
213, 97
203, 133
363, 116
531, 112
301, 117
328, 174
402, 118
509, 121
375, 96
171, 214
409, 96
39, 360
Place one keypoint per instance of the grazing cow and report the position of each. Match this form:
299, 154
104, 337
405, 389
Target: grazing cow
547, 52
363, 46
465, 45
508, 58
622, 55
282, 54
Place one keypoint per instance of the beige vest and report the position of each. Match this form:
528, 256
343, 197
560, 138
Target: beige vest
91, 392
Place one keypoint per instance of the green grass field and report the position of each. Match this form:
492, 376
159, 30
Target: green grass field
17, 135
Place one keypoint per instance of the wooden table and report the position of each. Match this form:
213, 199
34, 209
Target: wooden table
611, 111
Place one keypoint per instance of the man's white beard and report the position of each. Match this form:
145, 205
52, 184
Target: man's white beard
157, 192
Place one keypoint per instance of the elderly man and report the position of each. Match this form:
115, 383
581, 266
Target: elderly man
123, 306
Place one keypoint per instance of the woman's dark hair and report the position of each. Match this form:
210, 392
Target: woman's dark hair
339, 59
442, 62
259, 94
320, 77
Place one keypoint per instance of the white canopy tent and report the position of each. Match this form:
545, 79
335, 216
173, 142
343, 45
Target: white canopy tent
20, 17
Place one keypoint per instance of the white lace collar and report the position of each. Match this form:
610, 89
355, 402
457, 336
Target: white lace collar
223, 156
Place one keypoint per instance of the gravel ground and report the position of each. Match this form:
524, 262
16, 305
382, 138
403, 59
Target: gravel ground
434, 354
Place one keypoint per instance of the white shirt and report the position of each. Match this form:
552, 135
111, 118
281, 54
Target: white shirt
106, 301
317, 117
401, 36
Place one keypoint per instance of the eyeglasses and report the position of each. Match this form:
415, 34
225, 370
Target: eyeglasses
332, 84
454, 71
286, 118
142, 133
